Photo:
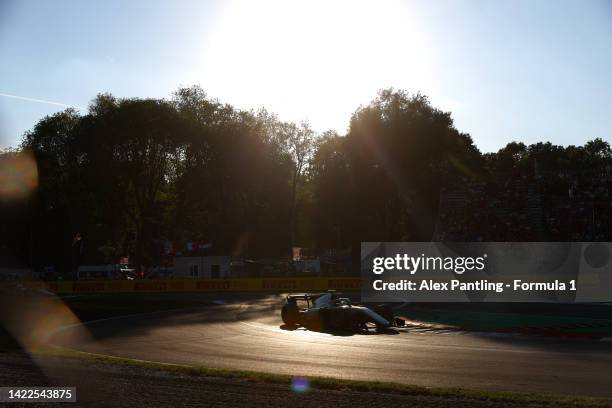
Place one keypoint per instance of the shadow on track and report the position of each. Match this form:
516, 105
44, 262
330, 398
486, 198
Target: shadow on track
182, 311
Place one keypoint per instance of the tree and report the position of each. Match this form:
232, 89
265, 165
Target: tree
132, 173
298, 141
234, 189
402, 151
333, 188
134, 147
62, 204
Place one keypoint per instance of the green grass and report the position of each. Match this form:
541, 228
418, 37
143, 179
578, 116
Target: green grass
328, 383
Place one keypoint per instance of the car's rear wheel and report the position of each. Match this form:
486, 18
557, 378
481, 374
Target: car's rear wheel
290, 314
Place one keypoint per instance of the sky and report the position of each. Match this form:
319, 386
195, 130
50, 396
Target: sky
512, 70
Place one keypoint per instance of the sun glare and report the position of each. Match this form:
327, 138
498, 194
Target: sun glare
313, 60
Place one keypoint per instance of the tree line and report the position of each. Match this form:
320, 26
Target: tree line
131, 174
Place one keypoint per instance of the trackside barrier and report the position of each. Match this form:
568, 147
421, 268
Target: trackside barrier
192, 285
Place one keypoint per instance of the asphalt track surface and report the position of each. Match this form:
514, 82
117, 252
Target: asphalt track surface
105, 384
248, 335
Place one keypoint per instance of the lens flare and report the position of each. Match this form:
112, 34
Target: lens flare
32, 315
18, 175
36, 319
300, 384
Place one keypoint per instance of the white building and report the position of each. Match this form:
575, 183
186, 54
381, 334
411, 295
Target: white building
203, 267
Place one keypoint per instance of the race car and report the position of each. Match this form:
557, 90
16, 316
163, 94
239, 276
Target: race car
332, 312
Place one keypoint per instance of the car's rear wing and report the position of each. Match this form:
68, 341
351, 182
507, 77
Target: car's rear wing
305, 296
293, 299
310, 298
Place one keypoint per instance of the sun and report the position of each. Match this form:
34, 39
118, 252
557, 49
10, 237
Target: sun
313, 60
